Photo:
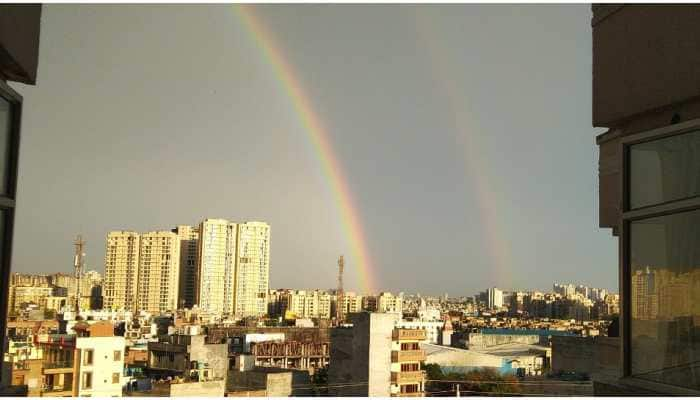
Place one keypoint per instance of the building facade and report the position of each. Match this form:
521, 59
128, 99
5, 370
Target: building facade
158, 272
121, 270
189, 261
252, 270
646, 93
215, 278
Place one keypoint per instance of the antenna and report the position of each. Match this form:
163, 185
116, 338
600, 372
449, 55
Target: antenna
78, 265
340, 300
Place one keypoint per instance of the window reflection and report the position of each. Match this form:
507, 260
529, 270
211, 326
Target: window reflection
665, 299
665, 170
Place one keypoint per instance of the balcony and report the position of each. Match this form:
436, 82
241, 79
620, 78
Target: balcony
401, 378
56, 391
58, 367
407, 356
412, 394
408, 334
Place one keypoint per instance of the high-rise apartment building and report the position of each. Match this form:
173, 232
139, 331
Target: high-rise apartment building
159, 272
189, 261
217, 263
495, 298
121, 270
252, 270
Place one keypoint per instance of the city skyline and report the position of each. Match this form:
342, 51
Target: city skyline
424, 166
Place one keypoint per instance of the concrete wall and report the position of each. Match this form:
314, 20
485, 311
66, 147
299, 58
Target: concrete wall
586, 355
19, 41
198, 389
216, 355
644, 57
363, 354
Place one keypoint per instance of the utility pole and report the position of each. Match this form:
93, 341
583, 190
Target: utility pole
340, 294
78, 265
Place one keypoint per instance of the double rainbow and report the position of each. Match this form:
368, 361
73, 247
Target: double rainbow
318, 135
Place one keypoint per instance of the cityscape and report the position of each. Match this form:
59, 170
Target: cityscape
194, 314
349, 200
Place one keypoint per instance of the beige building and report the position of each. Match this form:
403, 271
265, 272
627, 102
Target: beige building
159, 272
121, 270
252, 269
352, 302
29, 295
309, 304
388, 303
215, 278
189, 261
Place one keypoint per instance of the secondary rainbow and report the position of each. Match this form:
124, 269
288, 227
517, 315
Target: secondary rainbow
467, 136
318, 136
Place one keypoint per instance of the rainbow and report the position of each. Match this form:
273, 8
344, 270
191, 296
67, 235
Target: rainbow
487, 200
319, 138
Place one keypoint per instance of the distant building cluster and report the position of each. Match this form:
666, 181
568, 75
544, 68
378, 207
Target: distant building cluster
221, 267
566, 301
39, 293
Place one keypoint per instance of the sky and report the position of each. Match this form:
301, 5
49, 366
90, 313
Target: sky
463, 133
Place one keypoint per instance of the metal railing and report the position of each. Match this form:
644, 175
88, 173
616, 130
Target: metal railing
58, 364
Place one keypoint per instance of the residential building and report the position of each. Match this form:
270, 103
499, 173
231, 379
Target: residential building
388, 303
158, 272
646, 94
495, 298
187, 353
217, 263
374, 351
189, 261
306, 304
89, 363
253, 269
121, 270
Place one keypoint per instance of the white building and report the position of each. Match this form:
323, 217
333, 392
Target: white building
495, 296
252, 269
217, 253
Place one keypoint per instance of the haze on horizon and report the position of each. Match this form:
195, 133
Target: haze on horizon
149, 116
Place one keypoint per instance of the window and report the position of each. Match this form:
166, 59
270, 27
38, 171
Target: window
117, 355
661, 257
115, 377
87, 380
87, 357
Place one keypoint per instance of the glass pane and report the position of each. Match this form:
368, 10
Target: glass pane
665, 299
665, 170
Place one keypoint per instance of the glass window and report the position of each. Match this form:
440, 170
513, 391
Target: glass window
665, 299
5, 135
664, 170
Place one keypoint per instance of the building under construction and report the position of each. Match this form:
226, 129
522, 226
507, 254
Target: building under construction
283, 347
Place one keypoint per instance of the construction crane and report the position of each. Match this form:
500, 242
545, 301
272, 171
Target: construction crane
78, 265
339, 308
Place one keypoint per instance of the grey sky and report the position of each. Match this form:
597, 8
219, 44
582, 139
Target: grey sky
145, 117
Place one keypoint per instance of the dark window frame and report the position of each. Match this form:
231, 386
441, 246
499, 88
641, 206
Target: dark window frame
629, 215
8, 203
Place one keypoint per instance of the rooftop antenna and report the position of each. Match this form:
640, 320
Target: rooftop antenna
78, 265
340, 307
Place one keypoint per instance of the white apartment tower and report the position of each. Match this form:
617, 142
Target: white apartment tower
215, 277
252, 269
159, 272
189, 261
121, 270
